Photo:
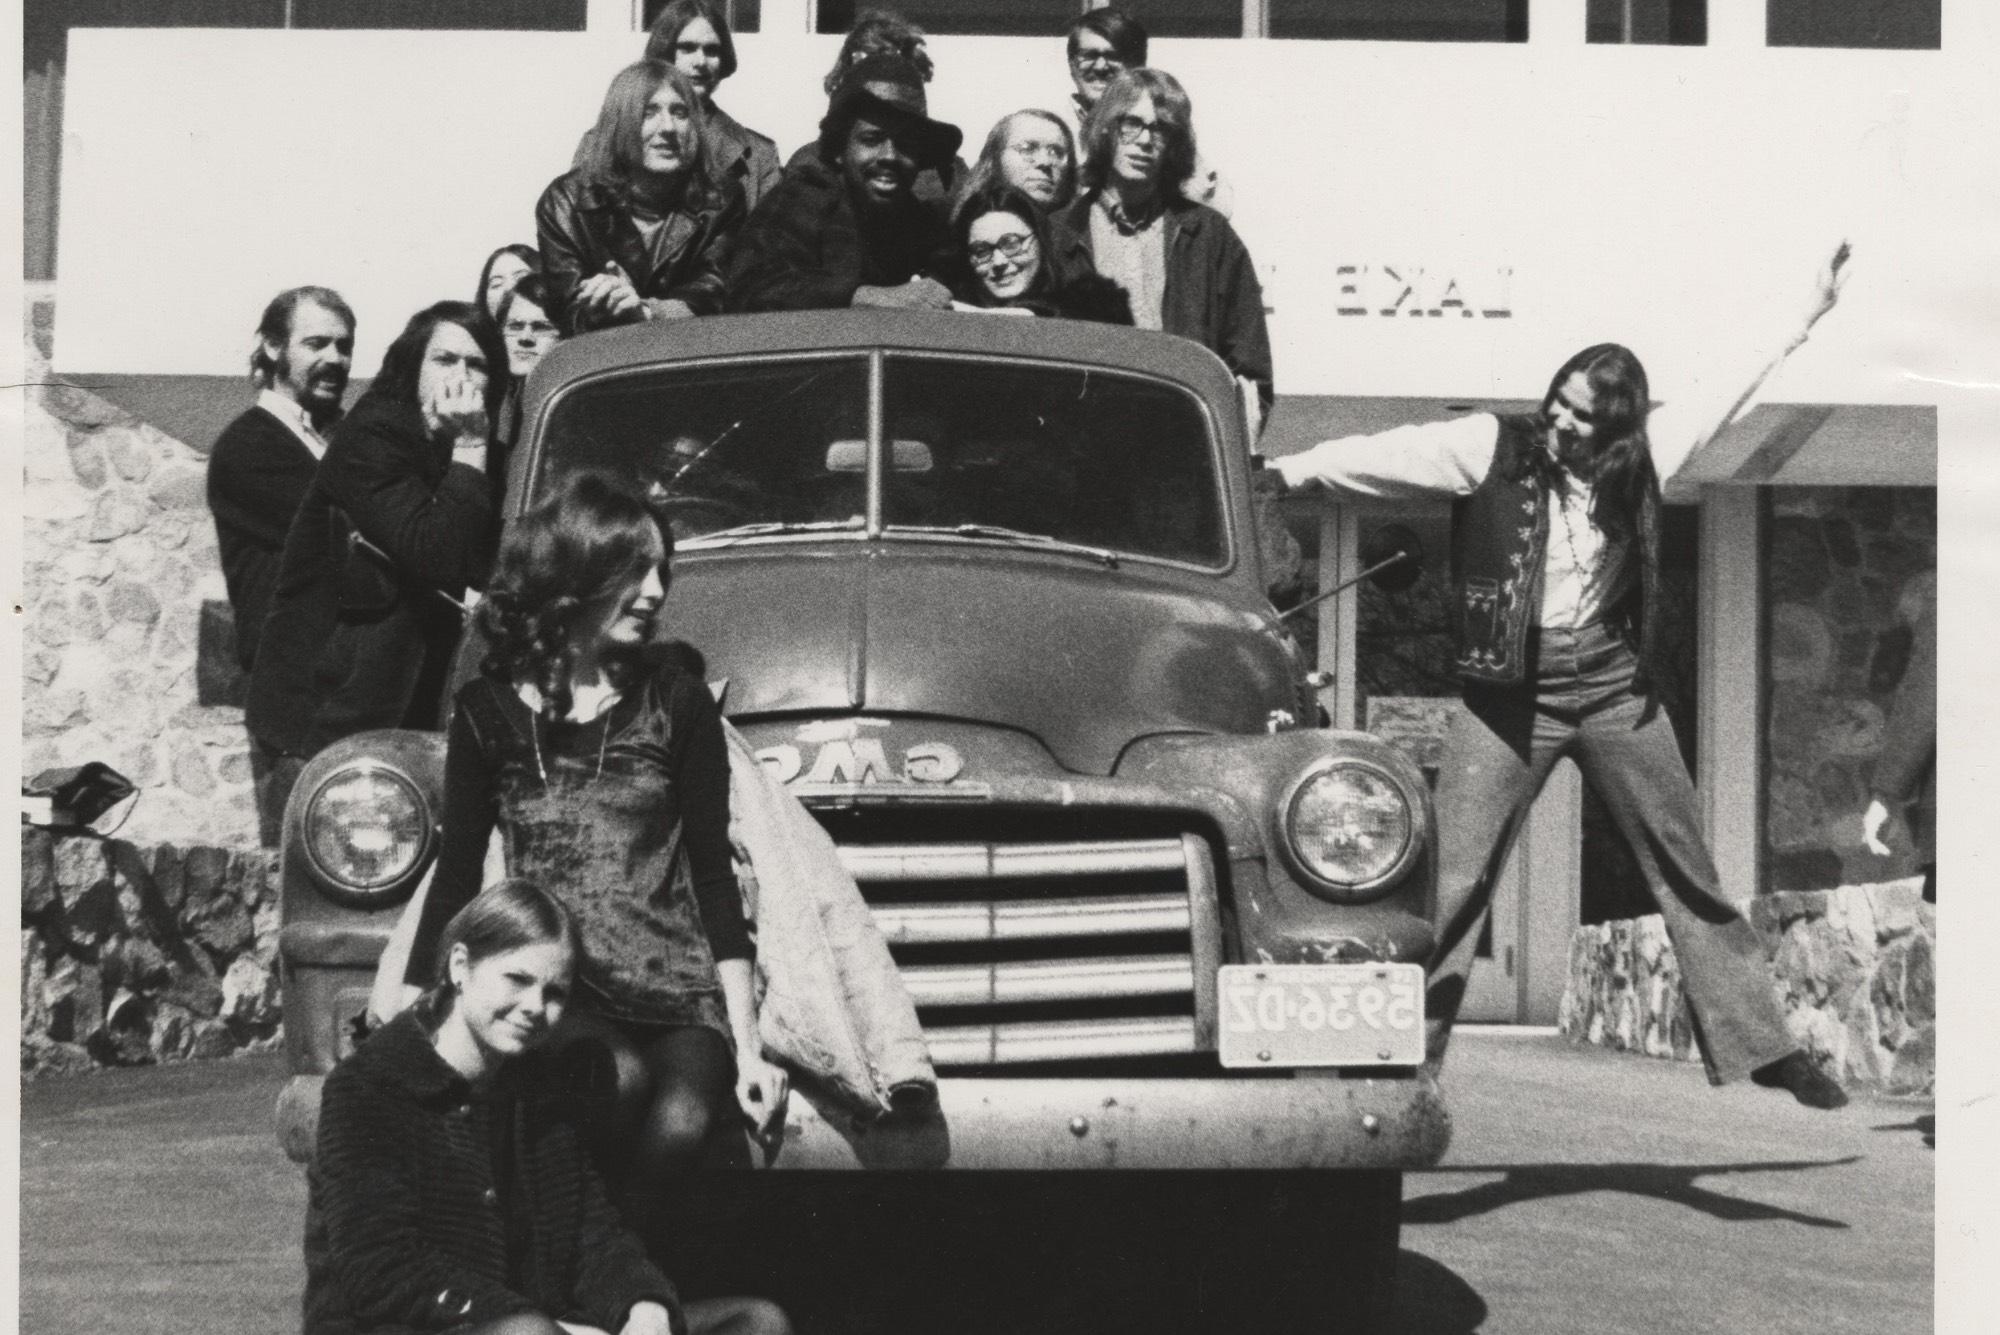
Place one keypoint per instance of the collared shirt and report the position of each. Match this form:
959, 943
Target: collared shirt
1204, 186
1132, 254
295, 419
1583, 570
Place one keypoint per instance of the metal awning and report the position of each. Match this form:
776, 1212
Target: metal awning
1773, 445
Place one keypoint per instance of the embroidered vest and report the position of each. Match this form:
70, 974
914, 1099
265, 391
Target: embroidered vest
1499, 539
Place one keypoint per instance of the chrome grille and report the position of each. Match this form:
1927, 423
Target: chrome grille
1035, 952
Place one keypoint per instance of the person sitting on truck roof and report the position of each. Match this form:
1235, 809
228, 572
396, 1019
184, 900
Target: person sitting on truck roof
452, 1187
638, 231
608, 777
1010, 263
848, 229
1031, 150
1183, 265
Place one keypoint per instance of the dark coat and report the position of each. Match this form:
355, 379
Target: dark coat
352, 631
934, 185
407, 1219
807, 248
258, 474
1905, 774
581, 226
1212, 294
740, 155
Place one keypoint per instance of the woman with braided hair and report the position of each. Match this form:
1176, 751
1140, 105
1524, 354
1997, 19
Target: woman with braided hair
607, 778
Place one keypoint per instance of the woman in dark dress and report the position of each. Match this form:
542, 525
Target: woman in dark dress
639, 228
450, 1188
609, 784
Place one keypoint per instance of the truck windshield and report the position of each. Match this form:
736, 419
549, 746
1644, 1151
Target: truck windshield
972, 449
1075, 454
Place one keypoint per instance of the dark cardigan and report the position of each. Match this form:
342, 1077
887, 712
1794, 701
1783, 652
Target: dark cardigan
407, 1222
352, 630
258, 474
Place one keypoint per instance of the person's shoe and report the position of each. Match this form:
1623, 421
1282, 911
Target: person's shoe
1808, 1084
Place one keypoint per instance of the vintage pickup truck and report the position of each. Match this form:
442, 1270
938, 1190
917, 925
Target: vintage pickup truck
986, 594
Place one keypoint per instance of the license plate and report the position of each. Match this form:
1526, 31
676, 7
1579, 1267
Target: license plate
1277, 1015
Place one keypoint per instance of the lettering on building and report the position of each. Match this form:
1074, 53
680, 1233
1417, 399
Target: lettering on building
1406, 290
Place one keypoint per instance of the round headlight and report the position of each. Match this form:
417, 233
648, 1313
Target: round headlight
1349, 825
366, 829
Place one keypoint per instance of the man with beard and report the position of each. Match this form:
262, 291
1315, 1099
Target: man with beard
847, 229
263, 461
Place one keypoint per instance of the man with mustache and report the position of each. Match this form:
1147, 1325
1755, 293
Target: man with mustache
848, 229
263, 461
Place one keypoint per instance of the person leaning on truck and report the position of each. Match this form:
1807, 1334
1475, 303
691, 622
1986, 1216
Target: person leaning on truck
1555, 538
398, 522
848, 228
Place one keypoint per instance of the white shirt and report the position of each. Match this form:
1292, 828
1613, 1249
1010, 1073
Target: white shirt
293, 416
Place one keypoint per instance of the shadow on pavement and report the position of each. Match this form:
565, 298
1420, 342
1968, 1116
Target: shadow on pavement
1431, 1299
1674, 1183
1925, 1125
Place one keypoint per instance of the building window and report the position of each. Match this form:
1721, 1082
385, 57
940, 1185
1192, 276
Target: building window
1647, 22
743, 15
1906, 25
1043, 18
1402, 20
511, 15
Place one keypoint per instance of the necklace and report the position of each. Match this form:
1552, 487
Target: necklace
602, 718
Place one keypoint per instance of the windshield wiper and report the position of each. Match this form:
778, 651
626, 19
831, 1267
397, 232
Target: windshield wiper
775, 526
1022, 537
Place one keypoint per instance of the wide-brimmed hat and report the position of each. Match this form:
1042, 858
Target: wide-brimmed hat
888, 90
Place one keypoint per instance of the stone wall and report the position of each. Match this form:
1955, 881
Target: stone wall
1848, 570
132, 955
1856, 967
118, 559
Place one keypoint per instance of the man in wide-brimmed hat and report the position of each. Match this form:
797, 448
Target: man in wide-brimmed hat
848, 229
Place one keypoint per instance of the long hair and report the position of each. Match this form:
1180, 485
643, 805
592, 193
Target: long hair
397, 380
677, 14
527, 254
506, 915
1621, 456
1126, 35
275, 326
1170, 107
1002, 198
879, 32
582, 545
986, 172
533, 289
611, 155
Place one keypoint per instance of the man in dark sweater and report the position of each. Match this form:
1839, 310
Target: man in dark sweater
848, 229
263, 461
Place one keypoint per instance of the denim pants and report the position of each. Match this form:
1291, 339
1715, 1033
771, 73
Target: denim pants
1580, 702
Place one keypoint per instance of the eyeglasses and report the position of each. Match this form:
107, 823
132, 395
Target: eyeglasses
1131, 130
1014, 245
1055, 153
1099, 57
516, 328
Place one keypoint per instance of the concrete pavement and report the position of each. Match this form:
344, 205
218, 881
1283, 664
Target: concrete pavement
1585, 1191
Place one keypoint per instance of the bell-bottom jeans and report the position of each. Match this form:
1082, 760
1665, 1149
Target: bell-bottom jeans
1580, 702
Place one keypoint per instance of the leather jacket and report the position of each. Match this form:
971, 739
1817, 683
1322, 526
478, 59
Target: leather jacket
581, 225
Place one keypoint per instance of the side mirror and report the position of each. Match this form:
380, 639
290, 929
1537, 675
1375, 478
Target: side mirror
1393, 555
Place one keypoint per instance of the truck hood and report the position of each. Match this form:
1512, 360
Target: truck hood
1083, 658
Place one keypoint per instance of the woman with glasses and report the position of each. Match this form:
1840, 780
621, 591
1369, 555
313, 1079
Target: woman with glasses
1181, 263
1032, 151
638, 230
1009, 258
